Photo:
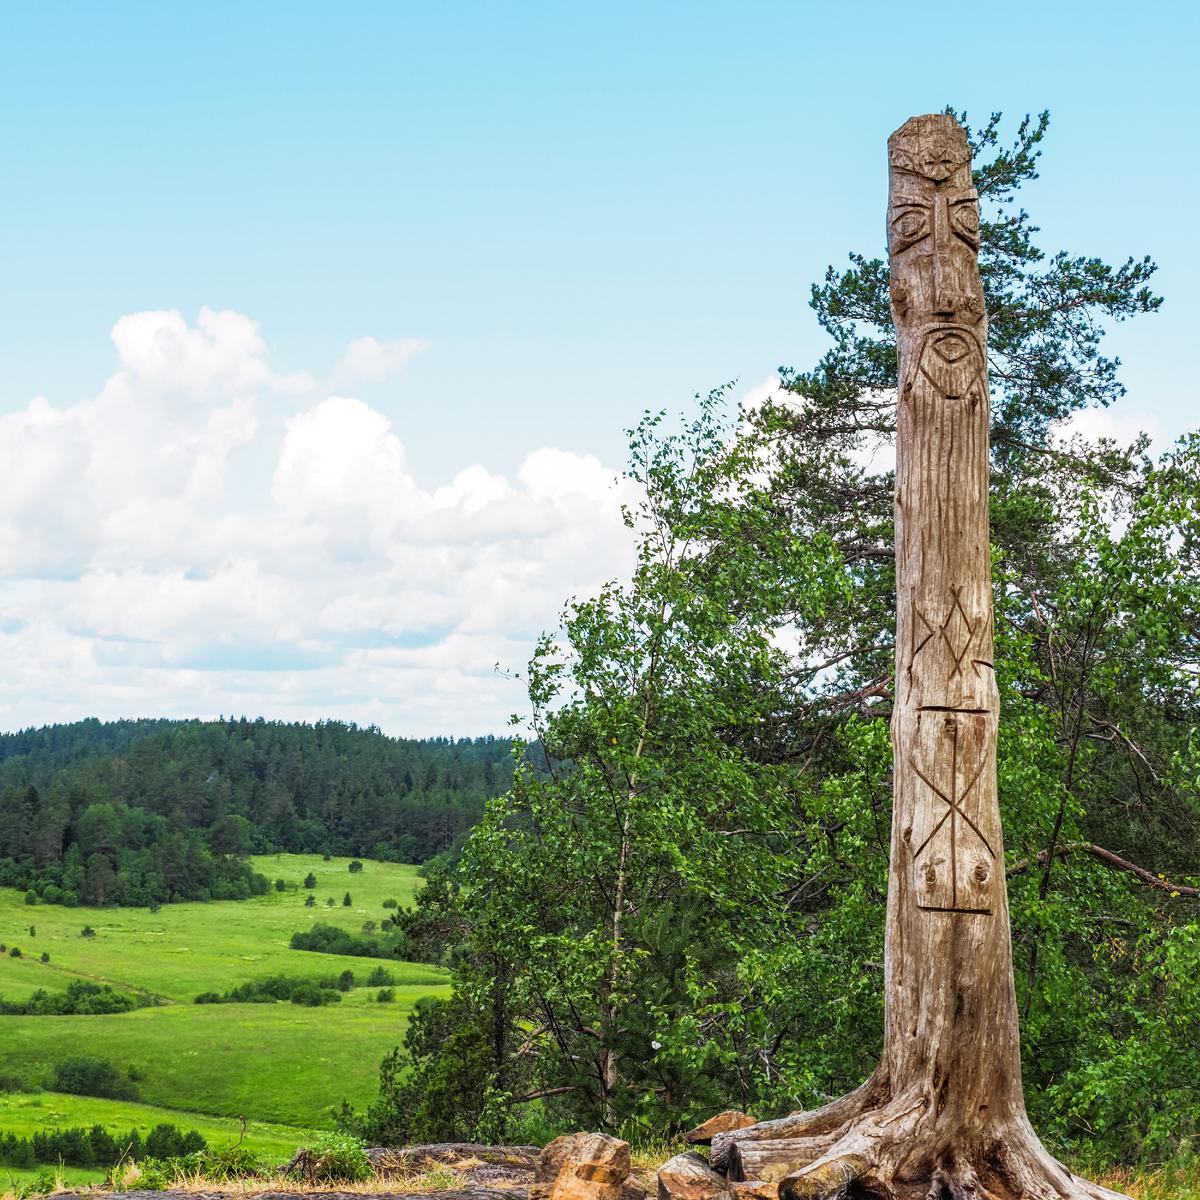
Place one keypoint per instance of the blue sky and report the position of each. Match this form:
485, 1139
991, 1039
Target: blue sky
549, 217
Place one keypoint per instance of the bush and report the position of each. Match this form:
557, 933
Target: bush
87, 931
310, 901
310, 880
346, 901
45, 956
390, 903
380, 977
81, 998
385, 995
15, 952
281, 885
84, 1076
368, 926
337, 1158
355, 866
31, 897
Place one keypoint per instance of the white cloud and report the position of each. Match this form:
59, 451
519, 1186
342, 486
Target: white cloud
149, 566
369, 358
1095, 423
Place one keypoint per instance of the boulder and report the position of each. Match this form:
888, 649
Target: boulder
724, 1122
689, 1177
582, 1166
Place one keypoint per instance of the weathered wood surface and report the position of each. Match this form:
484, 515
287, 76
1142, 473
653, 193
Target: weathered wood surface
771, 1160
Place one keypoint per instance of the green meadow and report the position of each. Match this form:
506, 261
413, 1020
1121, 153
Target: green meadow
282, 1066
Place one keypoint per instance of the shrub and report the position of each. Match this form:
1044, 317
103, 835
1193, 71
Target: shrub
31, 897
310, 880
281, 885
345, 981
84, 1076
15, 952
390, 903
337, 1158
310, 901
355, 866
380, 977
87, 931
385, 995
329, 902
33, 931
346, 901
230, 1162
45, 956
368, 926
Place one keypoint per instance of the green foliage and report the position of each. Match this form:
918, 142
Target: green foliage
80, 998
274, 988
338, 1158
148, 812
329, 939
83, 1075
679, 906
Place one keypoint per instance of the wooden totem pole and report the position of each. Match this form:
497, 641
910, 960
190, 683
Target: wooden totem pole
944, 1114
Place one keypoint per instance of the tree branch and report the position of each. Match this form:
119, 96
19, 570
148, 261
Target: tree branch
1109, 859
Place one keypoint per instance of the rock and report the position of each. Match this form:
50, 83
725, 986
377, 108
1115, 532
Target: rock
633, 1189
582, 1166
724, 1122
754, 1189
689, 1177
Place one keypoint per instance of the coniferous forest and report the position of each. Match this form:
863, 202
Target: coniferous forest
153, 811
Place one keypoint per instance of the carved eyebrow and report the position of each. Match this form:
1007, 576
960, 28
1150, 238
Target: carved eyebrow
965, 200
905, 202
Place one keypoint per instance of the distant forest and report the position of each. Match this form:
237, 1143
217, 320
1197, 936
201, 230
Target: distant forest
153, 811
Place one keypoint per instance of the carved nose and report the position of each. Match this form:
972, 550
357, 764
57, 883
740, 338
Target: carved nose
944, 302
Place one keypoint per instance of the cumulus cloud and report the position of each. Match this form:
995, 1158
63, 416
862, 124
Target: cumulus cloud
141, 574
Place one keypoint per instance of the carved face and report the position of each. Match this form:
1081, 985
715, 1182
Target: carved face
933, 239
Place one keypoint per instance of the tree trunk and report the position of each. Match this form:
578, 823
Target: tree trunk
944, 1113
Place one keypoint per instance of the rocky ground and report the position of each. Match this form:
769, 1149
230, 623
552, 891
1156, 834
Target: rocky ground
580, 1166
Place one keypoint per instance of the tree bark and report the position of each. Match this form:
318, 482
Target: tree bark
944, 1114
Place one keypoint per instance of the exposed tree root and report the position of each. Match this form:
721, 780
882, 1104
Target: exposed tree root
898, 1149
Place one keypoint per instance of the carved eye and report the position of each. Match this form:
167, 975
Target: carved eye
910, 226
966, 223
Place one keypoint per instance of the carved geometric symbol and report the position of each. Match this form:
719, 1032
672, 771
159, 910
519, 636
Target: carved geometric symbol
956, 630
952, 797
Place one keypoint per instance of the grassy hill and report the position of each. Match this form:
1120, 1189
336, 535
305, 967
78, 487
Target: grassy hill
277, 1063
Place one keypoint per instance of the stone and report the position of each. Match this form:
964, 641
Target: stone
582, 1166
724, 1122
689, 1177
754, 1189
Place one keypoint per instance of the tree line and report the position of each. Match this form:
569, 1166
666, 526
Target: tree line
151, 811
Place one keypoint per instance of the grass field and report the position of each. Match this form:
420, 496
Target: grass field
184, 949
280, 1064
